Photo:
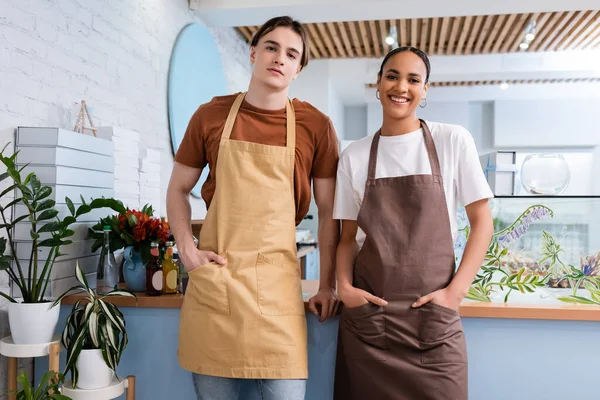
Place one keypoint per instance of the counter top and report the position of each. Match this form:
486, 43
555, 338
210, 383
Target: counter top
567, 312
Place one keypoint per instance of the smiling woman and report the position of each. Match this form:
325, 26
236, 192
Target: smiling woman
196, 75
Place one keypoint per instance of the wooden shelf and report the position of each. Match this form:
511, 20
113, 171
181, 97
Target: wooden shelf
565, 312
309, 288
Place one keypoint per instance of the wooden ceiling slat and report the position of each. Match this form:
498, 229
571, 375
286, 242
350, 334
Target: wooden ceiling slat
346, 40
443, 36
474, 33
384, 32
456, 23
375, 39
562, 33
403, 40
414, 26
433, 36
363, 34
588, 17
555, 31
336, 39
593, 43
515, 35
245, 32
485, 30
589, 36
494, 33
312, 29
466, 30
327, 39
585, 30
355, 39
543, 34
424, 34
502, 36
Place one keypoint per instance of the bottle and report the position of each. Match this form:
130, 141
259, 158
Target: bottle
107, 272
178, 265
154, 274
170, 272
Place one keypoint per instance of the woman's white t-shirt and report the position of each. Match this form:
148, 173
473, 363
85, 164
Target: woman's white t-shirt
464, 181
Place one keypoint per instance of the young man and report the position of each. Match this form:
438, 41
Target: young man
243, 314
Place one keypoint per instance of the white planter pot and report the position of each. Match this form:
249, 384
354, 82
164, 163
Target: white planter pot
32, 323
93, 371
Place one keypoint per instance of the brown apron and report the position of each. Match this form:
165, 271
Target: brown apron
398, 352
247, 319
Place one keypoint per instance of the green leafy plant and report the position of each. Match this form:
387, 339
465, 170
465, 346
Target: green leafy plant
551, 252
594, 299
94, 324
47, 389
44, 220
484, 285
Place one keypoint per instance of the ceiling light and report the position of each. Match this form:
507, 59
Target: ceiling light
392, 38
504, 86
524, 45
530, 37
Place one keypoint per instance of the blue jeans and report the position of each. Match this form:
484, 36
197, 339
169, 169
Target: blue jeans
218, 388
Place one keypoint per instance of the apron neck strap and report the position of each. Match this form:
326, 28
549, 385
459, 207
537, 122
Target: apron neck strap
290, 121
434, 162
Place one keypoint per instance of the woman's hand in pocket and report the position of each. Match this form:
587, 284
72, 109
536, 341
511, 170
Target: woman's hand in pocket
195, 258
353, 297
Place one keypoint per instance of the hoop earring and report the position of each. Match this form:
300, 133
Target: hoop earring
423, 105
377, 94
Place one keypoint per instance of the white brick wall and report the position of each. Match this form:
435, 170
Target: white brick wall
114, 54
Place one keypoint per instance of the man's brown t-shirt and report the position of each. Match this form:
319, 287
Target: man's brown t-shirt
316, 142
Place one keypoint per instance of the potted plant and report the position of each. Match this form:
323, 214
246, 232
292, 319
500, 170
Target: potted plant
33, 319
47, 389
94, 336
133, 231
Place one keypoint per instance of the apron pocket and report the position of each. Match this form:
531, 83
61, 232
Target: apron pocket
441, 335
279, 287
209, 287
363, 332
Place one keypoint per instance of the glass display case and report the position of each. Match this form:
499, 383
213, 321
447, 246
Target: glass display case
545, 250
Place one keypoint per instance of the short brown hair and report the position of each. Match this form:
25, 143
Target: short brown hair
285, 22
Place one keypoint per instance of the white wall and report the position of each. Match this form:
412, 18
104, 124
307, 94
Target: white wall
114, 54
546, 123
336, 111
355, 122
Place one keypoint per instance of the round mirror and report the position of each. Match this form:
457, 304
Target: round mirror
195, 76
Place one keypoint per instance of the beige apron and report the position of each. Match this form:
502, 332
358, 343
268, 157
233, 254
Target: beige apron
247, 319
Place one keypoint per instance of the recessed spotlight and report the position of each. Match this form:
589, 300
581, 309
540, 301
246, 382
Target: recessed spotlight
524, 46
530, 36
389, 40
504, 86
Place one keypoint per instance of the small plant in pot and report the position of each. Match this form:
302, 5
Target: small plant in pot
94, 336
47, 388
33, 319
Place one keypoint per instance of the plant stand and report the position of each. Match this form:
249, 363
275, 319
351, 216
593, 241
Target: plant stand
14, 351
112, 391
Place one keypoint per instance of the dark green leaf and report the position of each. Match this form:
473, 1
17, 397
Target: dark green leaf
35, 182
82, 200
9, 189
83, 209
19, 219
33, 234
4, 176
48, 214
50, 227
132, 220
44, 192
12, 203
67, 233
70, 205
51, 242
7, 297
44, 205
68, 221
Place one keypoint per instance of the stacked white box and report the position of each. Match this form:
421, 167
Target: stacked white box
126, 163
74, 165
150, 178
